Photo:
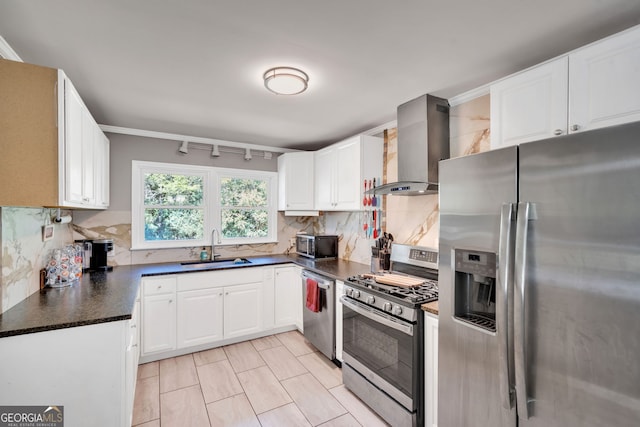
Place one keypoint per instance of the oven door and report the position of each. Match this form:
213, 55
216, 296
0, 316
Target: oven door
384, 349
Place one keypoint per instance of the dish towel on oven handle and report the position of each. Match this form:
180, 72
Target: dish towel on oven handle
313, 296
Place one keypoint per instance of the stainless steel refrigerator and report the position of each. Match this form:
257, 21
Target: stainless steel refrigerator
539, 279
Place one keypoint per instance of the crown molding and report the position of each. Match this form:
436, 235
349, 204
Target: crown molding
469, 95
7, 51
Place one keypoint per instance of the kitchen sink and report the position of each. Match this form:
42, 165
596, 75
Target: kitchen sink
224, 262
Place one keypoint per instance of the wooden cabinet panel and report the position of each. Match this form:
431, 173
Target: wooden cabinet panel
49, 140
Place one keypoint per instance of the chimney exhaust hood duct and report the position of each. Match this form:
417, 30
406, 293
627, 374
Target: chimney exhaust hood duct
423, 140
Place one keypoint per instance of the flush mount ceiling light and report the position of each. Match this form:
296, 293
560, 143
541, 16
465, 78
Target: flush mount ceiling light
285, 80
184, 148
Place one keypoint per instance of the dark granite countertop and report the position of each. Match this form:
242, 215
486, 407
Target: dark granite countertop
110, 296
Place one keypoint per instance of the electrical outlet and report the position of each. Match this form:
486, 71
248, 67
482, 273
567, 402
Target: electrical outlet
292, 241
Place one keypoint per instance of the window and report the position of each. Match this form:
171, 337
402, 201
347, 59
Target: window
244, 208
179, 205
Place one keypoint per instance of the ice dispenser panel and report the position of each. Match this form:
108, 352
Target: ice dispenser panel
475, 288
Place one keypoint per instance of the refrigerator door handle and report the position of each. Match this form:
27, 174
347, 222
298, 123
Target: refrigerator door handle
525, 214
505, 278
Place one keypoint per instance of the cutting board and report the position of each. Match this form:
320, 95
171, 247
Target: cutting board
396, 280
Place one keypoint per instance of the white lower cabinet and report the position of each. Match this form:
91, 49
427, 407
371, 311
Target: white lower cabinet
199, 317
85, 369
288, 296
243, 309
192, 311
158, 314
431, 370
132, 356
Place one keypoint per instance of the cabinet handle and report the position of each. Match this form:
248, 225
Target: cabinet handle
557, 132
170, 301
575, 128
159, 286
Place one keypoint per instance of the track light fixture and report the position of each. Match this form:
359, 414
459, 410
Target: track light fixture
267, 155
247, 154
184, 148
215, 151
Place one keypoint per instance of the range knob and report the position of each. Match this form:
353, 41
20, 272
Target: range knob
397, 310
349, 292
387, 306
356, 293
371, 299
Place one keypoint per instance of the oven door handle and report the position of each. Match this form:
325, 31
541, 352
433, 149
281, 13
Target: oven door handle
404, 328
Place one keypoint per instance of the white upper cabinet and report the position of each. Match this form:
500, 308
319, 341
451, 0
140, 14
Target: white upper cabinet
102, 170
604, 83
341, 169
296, 183
529, 106
86, 152
592, 87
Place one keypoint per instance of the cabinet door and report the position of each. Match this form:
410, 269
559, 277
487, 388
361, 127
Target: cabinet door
102, 169
73, 135
288, 297
530, 105
199, 317
324, 169
89, 145
243, 310
604, 83
298, 181
348, 174
431, 370
159, 323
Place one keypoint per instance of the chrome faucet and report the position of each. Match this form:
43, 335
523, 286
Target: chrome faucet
213, 245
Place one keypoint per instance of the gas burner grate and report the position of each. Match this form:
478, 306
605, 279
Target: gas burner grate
426, 292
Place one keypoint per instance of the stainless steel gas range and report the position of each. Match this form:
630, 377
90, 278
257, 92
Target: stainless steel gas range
383, 333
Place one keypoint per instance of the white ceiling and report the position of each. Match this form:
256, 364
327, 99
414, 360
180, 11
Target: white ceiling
195, 67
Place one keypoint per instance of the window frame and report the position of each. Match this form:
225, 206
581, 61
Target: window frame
272, 204
211, 202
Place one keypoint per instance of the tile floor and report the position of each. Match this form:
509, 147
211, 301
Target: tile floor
279, 380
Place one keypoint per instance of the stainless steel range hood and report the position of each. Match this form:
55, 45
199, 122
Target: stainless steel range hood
423, 140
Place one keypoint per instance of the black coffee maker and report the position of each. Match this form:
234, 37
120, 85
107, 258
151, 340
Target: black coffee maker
99, 250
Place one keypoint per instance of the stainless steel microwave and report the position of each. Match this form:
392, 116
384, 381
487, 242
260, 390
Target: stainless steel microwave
317, 246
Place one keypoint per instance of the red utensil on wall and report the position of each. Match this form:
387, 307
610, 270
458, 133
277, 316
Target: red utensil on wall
375, 230
364, 199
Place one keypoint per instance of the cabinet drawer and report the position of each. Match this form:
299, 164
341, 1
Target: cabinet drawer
159, 285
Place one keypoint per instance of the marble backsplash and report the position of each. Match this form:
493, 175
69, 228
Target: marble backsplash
23, 253
116, 225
